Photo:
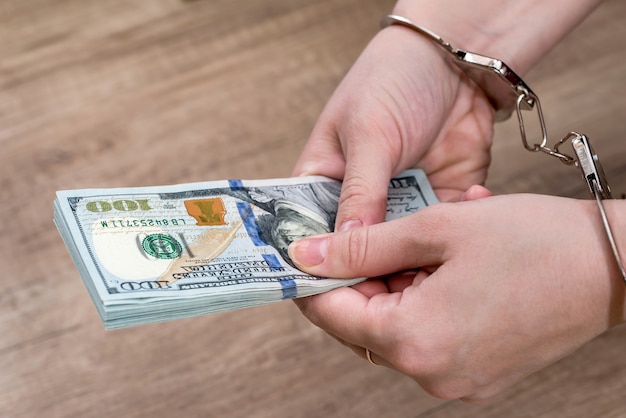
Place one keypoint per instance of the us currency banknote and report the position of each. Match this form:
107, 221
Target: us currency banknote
153, 254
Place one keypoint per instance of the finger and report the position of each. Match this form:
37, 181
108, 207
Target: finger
396, 282
371, 287
416, 240
353, 319
475, 192
455, 195
348, 304
322, 155
365, 176
368, 170
374, 358
399, 282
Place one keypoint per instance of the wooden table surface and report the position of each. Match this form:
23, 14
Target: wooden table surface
130, 93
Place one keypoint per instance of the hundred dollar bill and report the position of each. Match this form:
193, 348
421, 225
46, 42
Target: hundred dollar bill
159, 253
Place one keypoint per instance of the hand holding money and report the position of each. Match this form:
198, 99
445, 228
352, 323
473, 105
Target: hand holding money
167, 252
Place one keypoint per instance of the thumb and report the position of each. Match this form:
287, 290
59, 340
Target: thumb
322, 156
371, 159
406, 243
359, 162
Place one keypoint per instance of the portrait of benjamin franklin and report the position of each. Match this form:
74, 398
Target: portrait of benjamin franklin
292, 211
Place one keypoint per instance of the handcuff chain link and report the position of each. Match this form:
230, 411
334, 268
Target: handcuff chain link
586, 160
523, 97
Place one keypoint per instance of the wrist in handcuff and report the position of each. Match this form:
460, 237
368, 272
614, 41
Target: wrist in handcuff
507, 92
500, 83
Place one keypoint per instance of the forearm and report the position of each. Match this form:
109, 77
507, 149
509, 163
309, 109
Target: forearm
516, 32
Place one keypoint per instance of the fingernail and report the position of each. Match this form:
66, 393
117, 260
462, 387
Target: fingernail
309, 252
350, 224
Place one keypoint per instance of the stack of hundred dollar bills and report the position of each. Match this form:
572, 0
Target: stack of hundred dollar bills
151, 254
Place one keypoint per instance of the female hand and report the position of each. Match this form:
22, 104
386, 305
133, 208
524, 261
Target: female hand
493, 289
400, 105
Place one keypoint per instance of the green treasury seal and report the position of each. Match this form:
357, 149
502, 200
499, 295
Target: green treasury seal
162, 246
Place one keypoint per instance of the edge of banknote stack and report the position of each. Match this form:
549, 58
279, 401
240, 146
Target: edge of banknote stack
160, 253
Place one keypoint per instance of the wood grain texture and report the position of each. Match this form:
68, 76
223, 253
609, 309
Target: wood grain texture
130, 93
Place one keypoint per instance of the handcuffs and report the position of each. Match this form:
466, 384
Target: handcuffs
507, 92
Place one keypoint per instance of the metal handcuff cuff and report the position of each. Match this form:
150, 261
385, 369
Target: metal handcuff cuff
508, 92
